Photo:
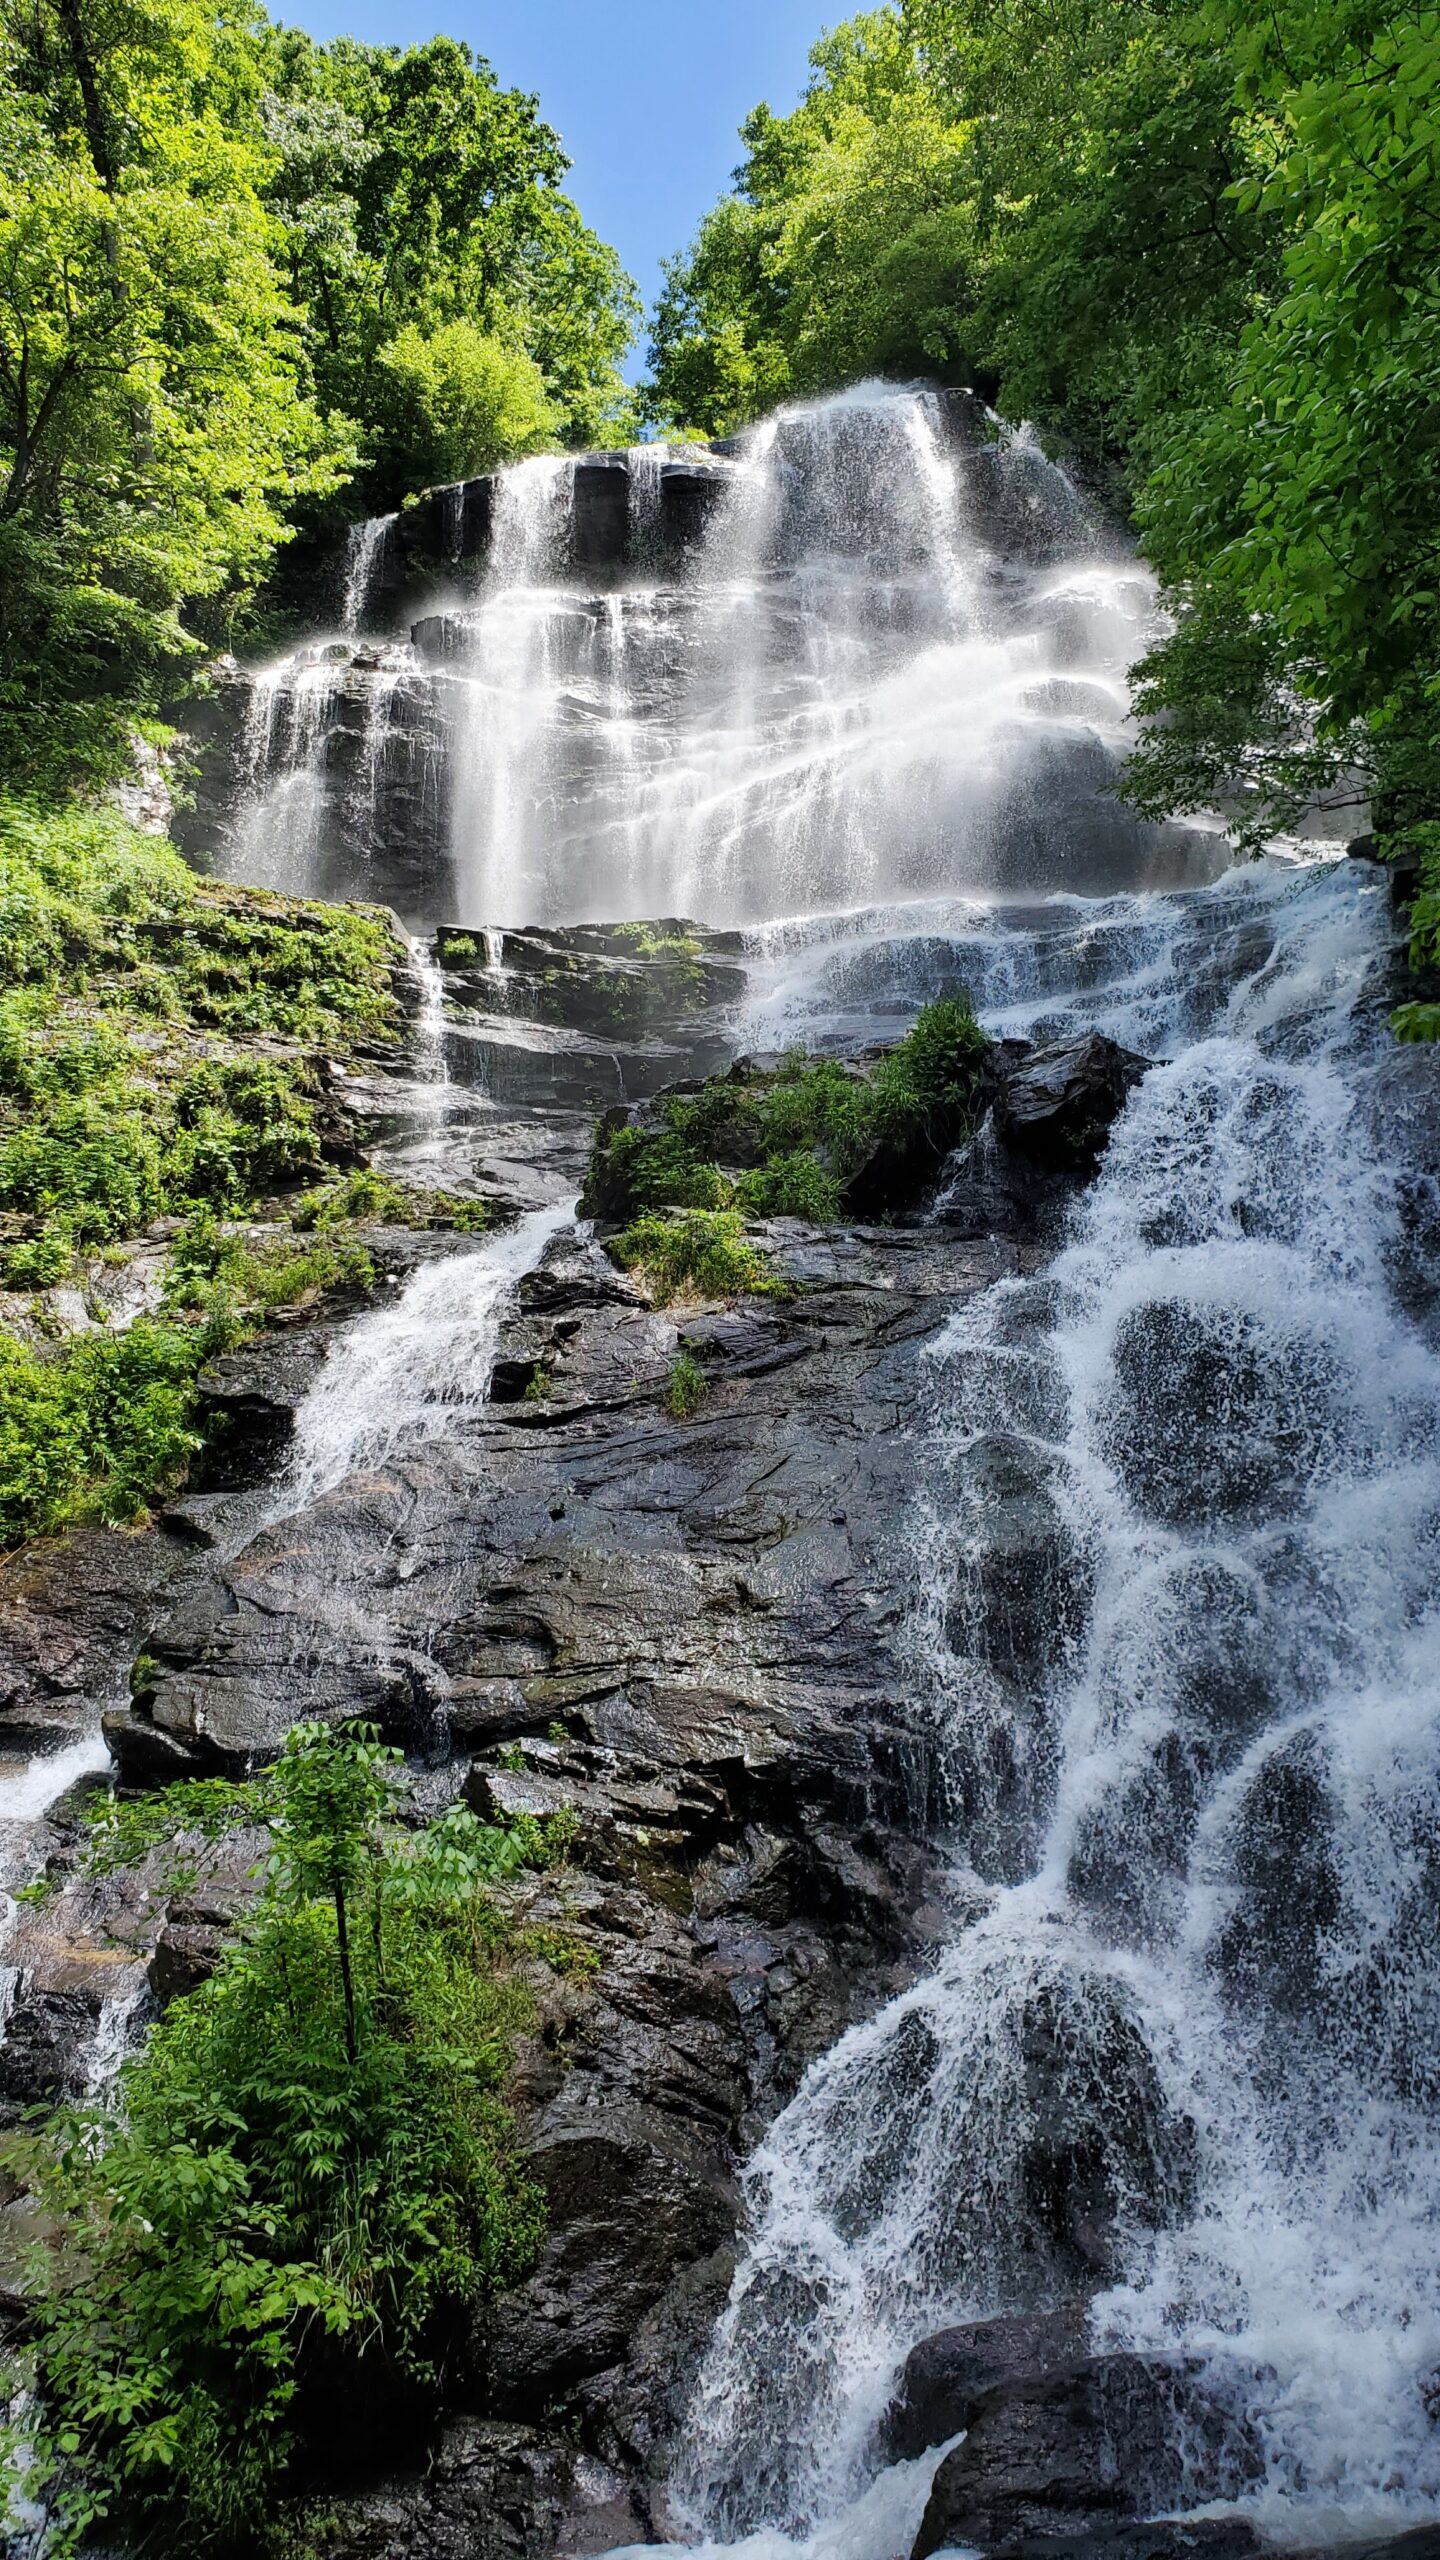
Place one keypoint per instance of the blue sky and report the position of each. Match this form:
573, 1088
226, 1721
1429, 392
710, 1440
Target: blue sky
646, 93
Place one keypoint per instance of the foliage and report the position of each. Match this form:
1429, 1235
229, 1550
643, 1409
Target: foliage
154, 420
235, 267
311, 2173
426, 231
694, 1252
97, 1430
455, 402
125, 1096
787, 1143
369, 1198
687, 1388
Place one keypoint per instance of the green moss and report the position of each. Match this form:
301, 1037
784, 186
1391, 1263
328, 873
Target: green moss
793, 1186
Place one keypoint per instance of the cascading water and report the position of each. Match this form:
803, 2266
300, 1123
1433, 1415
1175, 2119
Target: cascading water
897, 662
390, 1377
364, 554
1193, 1773
1172, 1561
891, 662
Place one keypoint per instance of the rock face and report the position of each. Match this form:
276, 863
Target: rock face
682, 1629
1066, 2454
1057, 1104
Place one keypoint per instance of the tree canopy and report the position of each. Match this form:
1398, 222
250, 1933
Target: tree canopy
240, 273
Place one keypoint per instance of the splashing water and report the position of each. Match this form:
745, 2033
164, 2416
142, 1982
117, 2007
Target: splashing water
423, 1362
1193, 1769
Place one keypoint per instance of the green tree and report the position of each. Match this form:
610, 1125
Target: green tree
456, 402
153, 418
311, 2169
420, 199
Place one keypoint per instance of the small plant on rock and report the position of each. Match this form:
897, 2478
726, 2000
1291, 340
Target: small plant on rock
688, 1387
702, 1253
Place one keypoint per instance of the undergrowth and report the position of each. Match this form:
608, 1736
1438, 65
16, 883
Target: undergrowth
799, 1141
161, 1042
310, 2175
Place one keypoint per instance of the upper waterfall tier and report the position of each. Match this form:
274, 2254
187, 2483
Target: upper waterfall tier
873, 648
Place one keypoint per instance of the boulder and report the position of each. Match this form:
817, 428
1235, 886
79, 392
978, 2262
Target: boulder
493, 2490
1071, 2452
1057, 1105
946, 2377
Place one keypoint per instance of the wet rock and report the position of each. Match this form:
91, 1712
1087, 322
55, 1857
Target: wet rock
946, 2377
1247, 1405
70, 1613
492, 2491
1071, 2452
621, 981
1059, 1103
690, 490
1098, 2131
629, 2105
1289, 1894
1023, 1593
1163, 2538
601, 518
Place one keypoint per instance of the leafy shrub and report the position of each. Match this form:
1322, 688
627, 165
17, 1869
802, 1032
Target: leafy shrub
790, 1142
96, 1429
701, 1251
373, 1199
793, 1186
312, 2169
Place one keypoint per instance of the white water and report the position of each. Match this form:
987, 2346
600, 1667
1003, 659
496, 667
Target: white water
895, 666
30, 1789
364, 552
1202, 1805
418, 1366
859, 690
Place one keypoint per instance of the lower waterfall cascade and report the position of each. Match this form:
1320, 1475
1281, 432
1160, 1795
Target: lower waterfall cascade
1184, 1756
1212, 1826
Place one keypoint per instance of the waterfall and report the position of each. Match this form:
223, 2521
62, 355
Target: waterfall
1194, 1771
365, 547
887, 660
425, 1360
281, 802
776, 728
